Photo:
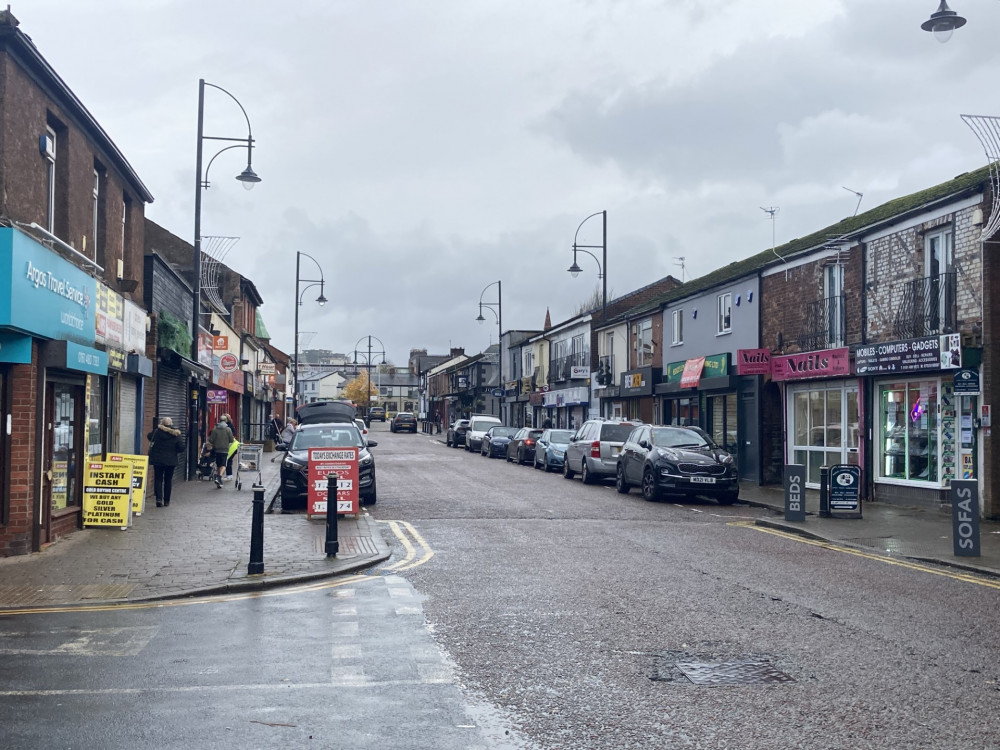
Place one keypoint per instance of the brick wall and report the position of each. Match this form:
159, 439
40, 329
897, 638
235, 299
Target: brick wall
15, 537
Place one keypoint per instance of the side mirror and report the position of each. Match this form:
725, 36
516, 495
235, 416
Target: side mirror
281, 447
372, 443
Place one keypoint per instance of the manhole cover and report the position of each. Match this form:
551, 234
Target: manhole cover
732, 672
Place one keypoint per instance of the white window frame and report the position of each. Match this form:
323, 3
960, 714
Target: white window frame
833, 288
644, 343
677, 327
97, 195
725, 313
50, 174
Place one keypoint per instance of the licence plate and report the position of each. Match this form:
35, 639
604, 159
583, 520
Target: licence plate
703, 480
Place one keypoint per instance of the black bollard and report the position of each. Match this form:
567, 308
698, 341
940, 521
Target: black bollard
332, 543
256, 566
824, 492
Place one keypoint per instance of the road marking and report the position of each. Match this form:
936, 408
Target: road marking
127, 641
401, 529
833, 547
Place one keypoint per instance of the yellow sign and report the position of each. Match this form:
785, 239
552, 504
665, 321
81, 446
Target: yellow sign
107, 490
140, 469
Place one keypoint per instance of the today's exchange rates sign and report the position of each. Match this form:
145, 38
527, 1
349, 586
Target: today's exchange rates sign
343, 462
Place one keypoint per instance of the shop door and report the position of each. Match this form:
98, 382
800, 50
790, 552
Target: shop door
127, 415
823, 428
747, 431
63, 450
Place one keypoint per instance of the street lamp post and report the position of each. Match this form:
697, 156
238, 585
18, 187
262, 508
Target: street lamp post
602, 265
499, 315
321, 300
368, 369
249, 178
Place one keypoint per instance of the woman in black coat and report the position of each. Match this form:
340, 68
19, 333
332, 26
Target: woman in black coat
165, 444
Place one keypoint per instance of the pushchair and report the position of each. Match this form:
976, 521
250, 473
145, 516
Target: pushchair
206, 462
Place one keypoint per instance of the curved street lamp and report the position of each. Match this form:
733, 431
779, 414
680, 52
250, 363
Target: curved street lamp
368, 369
499, 316
943, 22
249, 178
602, 267
320, 300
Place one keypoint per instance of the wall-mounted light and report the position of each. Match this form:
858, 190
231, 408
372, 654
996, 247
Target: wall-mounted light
749, 296
977, 217
737, 300
694, 314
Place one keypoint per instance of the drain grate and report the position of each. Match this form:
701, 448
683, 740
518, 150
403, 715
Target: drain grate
758, 672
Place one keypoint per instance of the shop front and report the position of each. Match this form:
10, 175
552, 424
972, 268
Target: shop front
822, 410
567, 407
924, 419
635, 394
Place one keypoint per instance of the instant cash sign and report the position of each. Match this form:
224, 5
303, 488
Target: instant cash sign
342, 462
107, 494
140, 468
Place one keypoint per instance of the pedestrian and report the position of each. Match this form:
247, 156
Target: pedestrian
221, 437
165, 444
289, 431
274, 428
233, 446
547, 424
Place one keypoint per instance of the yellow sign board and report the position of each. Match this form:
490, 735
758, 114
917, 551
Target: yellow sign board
140, 469
107, 490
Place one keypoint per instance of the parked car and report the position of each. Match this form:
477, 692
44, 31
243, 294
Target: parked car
324, 412
550, 450
295, 464
522, 446
376, 412
676, 460
478, 425
360, 424
593, 450
456, 433
403, 421
495, 441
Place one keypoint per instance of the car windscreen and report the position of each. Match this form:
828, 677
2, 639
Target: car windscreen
677, 437
560, 436
482, 425
503, 432
612, 432
325, 438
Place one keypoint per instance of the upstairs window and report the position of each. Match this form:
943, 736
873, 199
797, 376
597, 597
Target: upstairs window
48, 149
644, 344
725, 313
677, 327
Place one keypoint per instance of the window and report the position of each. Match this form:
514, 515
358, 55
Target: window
677, 327
94, 211
939, 293
49, 154
725, 312
644, 344
833, 308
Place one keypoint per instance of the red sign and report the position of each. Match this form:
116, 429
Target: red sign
821, 364
343, 462
753, 362
228, 362
692, 372
220, 342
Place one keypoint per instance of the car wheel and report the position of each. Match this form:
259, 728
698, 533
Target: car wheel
568, 473
585, 473
520, 457
507, 456
649, 491
620, 484
447, 441
729, 498
535, 463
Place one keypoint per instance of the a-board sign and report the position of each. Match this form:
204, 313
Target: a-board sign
140, 469
965, 517
342, 462
795, 492
845, 489
107, 494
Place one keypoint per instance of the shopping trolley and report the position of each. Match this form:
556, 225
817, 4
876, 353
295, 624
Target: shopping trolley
248, 458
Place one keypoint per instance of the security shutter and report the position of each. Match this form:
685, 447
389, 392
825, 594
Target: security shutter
127, 414
172, 401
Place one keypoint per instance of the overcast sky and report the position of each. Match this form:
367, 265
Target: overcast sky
421, 150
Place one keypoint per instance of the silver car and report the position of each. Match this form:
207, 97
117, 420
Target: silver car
593, 450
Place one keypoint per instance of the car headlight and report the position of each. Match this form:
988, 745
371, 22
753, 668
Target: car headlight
726, 459
668, 453
290, 463
558, 453
367, 460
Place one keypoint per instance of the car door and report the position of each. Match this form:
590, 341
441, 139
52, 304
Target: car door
630, 455
574, 453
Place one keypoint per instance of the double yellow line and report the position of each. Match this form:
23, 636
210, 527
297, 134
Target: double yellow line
407, 536
954, 575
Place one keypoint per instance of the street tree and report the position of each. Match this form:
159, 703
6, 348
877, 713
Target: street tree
355, 389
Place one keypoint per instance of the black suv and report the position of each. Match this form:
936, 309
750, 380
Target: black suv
295, 464
403, 421
456, 433
376, 412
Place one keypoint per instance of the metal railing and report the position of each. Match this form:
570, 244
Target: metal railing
606, 369
926, 307
825, 324
561, 368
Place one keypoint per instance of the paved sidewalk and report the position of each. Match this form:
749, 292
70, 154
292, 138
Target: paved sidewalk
893, 530
199, 545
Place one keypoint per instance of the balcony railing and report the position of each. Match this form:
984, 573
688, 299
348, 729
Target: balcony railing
606, 369
825, 323
926, 307
561, 367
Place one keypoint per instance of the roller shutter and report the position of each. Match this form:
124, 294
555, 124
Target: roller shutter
172, 401
128, 413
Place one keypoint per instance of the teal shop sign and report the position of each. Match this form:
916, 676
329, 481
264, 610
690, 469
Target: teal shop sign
42, 294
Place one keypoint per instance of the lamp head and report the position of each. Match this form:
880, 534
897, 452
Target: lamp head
574, 269
321, 299
248, 177
943, 22
480, 319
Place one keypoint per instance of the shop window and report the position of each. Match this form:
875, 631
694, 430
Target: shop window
909, 422
95, 419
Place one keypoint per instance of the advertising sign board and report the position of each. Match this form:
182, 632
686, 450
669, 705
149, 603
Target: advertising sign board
965, 517
140, 468
107, 490
342, 462
795, 492
967, 382
845, 489
911, 355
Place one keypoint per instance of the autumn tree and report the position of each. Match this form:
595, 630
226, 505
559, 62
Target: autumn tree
355, 390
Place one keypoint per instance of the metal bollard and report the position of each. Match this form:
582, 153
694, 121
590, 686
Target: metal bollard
824, 492
332, 543
256, 566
